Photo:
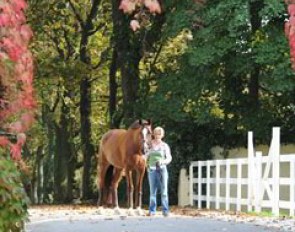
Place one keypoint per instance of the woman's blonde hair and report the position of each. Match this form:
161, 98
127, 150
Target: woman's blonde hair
159, 130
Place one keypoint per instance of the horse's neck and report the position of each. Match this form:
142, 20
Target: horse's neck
132, 141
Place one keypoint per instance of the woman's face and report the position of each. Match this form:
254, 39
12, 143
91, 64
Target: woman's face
158, 135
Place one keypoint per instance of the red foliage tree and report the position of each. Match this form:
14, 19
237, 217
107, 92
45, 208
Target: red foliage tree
290, 30
139, 9
17, 101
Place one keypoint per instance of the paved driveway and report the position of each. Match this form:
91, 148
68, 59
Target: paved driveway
73, 221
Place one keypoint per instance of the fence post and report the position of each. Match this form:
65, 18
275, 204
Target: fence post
239, 186
191, 185
199, 184
217, 185
258, 197
227, 186
292, 189
208, 185
250, 171
276, 170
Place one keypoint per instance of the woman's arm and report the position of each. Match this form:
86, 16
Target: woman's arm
168, 156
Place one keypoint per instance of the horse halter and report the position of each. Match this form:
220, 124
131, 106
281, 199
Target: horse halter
146, 134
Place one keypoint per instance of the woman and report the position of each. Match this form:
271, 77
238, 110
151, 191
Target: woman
157, 158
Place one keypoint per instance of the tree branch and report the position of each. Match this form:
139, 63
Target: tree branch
98, 27
56, 101
69, 46
93, 12
78, 16
56, 43
104, 58
155, 59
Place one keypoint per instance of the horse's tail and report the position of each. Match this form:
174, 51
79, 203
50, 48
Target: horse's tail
99, 157
108, 182
98, 162
108, 177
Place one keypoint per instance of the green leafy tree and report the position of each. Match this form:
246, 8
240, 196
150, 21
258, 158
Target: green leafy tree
222, 69
71, 49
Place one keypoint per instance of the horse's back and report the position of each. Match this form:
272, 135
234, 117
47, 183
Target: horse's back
111, 146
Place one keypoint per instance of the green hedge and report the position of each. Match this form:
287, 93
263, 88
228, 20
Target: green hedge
13, 199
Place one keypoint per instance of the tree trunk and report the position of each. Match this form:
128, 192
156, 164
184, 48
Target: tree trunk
130, 48
128, 61
49, 159
60, 167
85, 102
37, 190
64, 159
256, 20
48, 121
40, 175
87, 147
113, 91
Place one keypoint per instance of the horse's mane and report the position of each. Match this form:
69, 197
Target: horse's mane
138, 123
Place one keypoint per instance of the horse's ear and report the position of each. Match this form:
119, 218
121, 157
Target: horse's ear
149, 121
140, 121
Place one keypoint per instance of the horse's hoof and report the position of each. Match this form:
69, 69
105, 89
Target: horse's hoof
130, 212
109, 212
117, 211
100, 211
139, 211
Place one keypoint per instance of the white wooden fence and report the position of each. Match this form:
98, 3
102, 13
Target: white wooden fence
245, 184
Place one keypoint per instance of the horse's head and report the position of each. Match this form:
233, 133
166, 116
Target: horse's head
145, 134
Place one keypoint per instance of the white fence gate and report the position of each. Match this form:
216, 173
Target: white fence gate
250, 184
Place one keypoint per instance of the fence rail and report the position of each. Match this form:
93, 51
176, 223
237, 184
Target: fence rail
252, 182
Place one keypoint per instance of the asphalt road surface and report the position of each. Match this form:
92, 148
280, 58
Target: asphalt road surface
174, 223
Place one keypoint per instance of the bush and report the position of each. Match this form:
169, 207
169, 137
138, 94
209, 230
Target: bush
13, 199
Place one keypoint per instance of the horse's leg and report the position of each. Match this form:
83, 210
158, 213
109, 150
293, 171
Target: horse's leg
101, 184
138, 190
117, 175
130, 190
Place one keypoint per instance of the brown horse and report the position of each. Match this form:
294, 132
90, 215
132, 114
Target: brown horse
124, 150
